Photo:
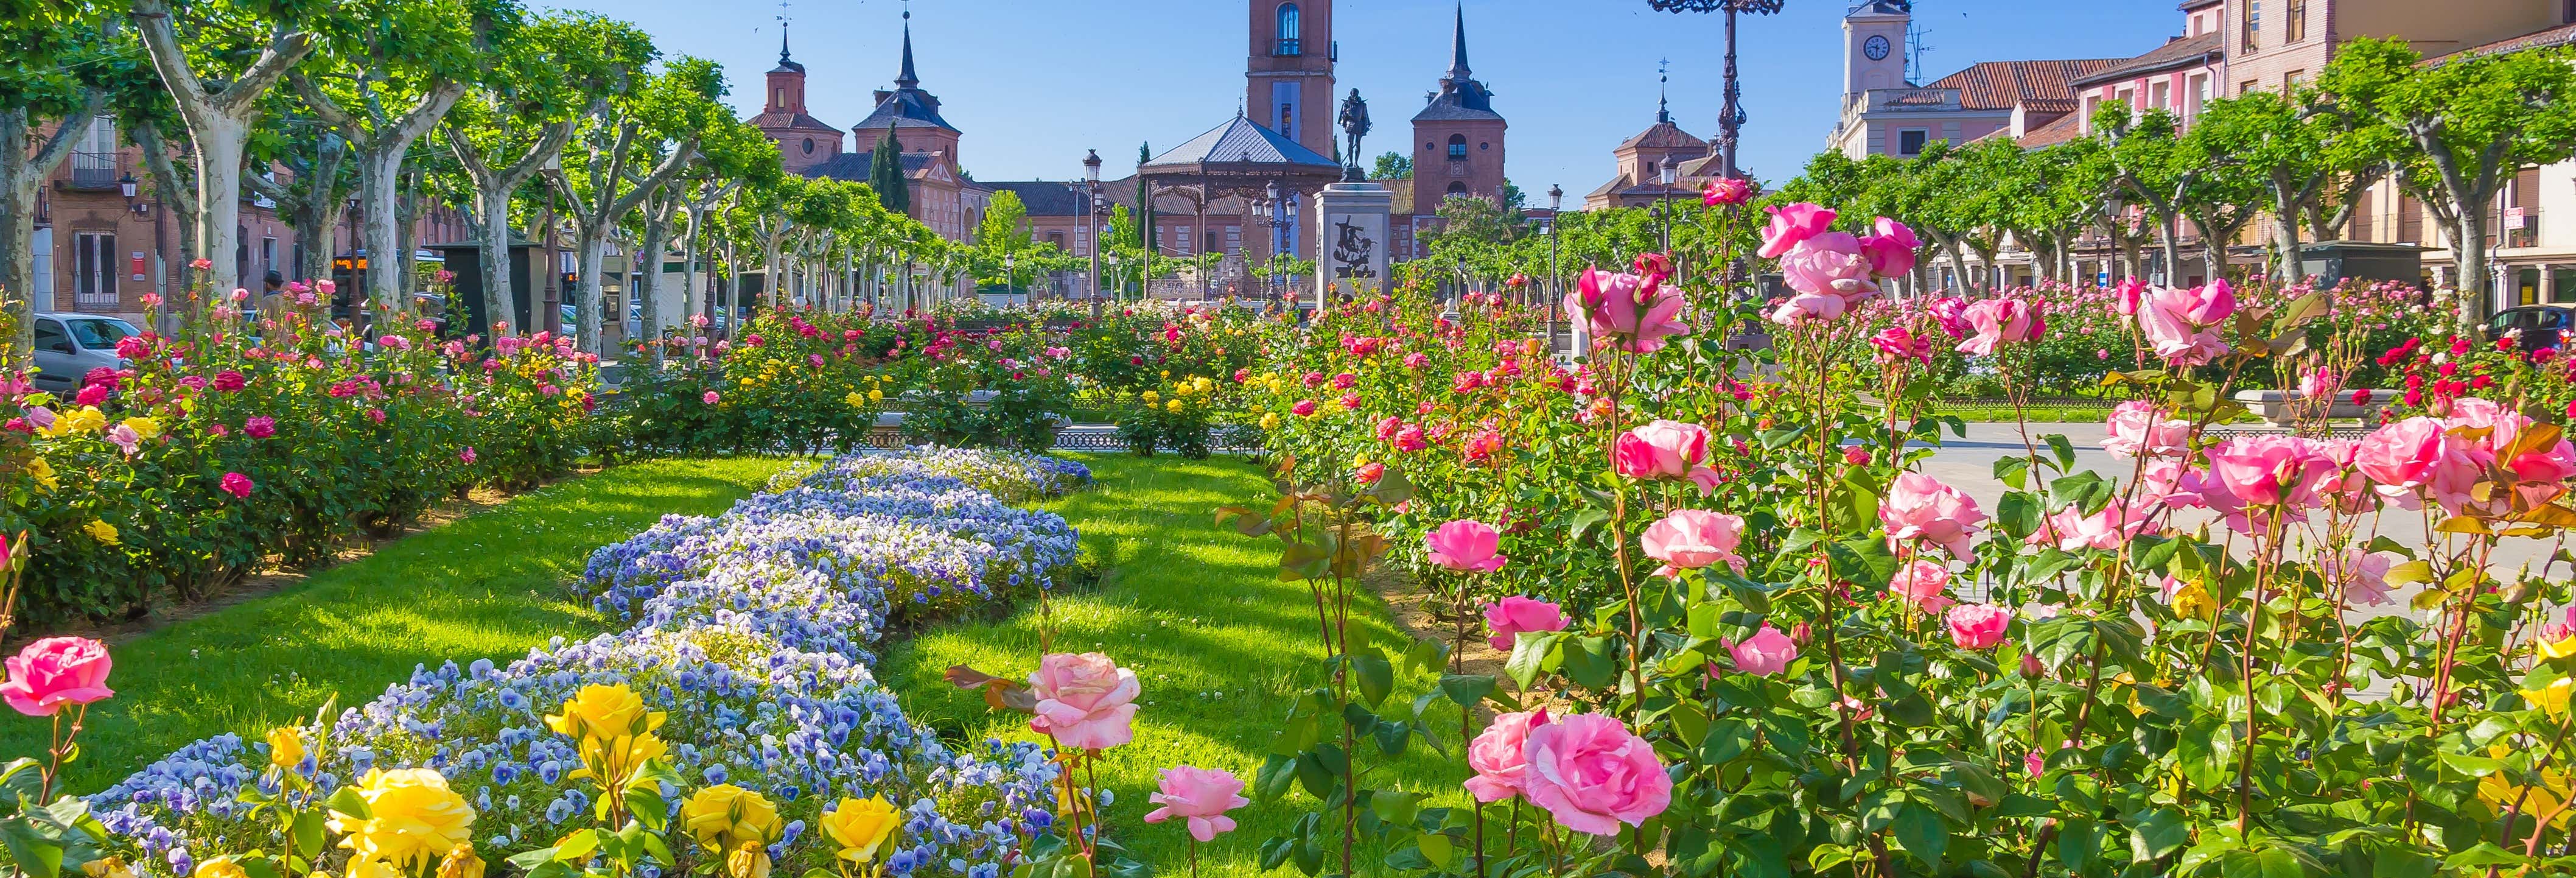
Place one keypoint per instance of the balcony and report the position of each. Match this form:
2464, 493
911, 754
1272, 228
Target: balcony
2504, 233
1289, 47
95, 171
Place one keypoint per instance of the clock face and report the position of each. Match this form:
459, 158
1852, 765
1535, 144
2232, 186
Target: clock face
1875, 48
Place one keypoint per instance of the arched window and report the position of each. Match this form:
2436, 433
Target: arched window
1457, 147
1457, 188
1290, 31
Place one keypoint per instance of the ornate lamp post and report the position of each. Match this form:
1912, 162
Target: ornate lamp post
1270, 214
1730, 121
1091, 187
1555, 297
1666, 172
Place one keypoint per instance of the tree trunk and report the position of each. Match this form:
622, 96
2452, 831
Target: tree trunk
2469, 260
219, 124
180, 201
500, 299
21, 175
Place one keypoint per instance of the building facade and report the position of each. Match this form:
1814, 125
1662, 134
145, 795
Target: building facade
1459, 147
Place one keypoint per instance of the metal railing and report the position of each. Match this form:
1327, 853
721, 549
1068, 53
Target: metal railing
95, 170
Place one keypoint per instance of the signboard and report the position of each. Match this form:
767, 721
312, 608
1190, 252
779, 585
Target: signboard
136, 265
1354, 249
2513, 218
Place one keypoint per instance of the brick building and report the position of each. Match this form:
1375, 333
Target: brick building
1461, 150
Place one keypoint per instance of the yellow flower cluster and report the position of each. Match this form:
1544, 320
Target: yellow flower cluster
736, 822
2545, 798
615, 731
412, 819
859, 827
86, 419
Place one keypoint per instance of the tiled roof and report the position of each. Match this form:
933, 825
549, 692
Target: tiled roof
2180, 52
2045, 86
1238, 140
853, 166
2561, 35
1403, 191
792, 122
904, 108
1664, 135
1044, 197
2067, 127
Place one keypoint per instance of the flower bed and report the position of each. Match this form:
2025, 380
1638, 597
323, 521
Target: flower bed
750, 632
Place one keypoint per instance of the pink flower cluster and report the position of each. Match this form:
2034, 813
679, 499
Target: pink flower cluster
1829, 272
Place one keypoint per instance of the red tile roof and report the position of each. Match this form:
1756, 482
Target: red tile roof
2557, 36
791, 121
2067, 127
2042, 86
1664, 135
2179, 52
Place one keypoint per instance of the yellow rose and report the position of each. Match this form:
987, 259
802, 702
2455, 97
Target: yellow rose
2558, 650
875, 394
855, 400
2194, 601
461, 863
43, 473
1151, 397
144, 428
2552, 699
2500, 792
285, 747
85, 419
605, 711
110, 867
1270, 421
724, 817
100, 531
412, 819
861, 826
1203, 384
1175, 407
219, 867
751, 860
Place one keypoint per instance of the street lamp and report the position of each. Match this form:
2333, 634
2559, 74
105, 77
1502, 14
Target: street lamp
1666, 171
1091, 186
1555, 215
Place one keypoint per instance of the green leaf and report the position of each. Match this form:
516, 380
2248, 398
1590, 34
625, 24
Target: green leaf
1592, 661
348, 801
1375, 673
1468, 690
1920, 831
2157, 833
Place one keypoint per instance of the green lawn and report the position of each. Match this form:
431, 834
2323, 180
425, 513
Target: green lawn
488, 586
1220, 644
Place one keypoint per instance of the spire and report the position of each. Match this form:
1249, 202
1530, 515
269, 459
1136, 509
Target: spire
1663, 80
907, 78
782, 43
1458, 46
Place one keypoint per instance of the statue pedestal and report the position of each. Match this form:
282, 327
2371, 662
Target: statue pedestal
1351, 250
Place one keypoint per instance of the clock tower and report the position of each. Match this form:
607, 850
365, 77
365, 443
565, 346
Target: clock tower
1874, 46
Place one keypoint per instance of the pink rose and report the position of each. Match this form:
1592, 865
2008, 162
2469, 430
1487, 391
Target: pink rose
2363, 574
1305, 408
1978, 626
236, 484
1923, 584
2402, 457
2128, 296
260, 427
1952, 313
1808, 308
1637, 311
1592, 774
2271, 470
1510, 616
57, 671
1464, 545
1765, 653
1891, 250
466, 455
1919, 507
1665, 450
712, 397
2141, 427
1202, 795
1895, 345
1793, 224
2198, 306
1830, 263
1690, 539
1725, 191
1084, 701
1999, 321
1500, 756
2070, 529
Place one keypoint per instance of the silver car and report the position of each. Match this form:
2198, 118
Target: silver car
69, 345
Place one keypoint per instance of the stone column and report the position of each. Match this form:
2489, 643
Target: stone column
1351, 242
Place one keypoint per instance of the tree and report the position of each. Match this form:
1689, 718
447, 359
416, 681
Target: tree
885, 174
640, 140
542, 82
219, 119
2145, 161
2471, 124
1002, 238
1392, 166
36, 84
384, 85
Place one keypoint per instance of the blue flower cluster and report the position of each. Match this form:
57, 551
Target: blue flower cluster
751, 629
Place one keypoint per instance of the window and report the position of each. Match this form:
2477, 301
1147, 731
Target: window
809, 146
1911, 140
1185, 242
1457, 189
2253, 24
44, 280
94, 270
94, 162
1290, 32
2197, 95
2160, 95
267, 254
1457, 147
50, 337
100, 333
1284, 96
1234, 240
2296, 21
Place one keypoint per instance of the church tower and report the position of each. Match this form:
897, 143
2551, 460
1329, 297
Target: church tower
1458, 137
1288, 75
803, 141
1874, 45
912, 112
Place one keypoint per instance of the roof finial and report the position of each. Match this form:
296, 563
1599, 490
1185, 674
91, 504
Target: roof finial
908, 78
1663, 78
783, 21
1458, 46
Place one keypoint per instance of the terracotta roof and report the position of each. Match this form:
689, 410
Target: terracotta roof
1403, 191
1664, 135
2561, 35
792, 122
2046, 86
2067, 127
2180, 52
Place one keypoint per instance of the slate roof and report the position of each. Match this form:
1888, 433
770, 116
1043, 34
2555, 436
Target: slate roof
1044, 197
1237, 140
1460, 96
2065, 128
853, 166
2179, 52
906, 106
2040, 86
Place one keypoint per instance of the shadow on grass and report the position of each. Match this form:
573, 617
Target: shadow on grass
1219, 643
490, 585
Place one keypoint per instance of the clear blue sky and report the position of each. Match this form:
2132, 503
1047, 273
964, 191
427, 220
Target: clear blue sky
1034, 84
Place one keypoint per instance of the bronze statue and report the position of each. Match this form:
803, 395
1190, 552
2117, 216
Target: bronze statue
1355, 123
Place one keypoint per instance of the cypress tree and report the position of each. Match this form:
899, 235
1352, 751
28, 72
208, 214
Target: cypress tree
885, 174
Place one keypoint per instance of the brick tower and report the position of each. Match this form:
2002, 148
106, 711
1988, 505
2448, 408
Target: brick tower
803, 141
1460, 136
1288, 74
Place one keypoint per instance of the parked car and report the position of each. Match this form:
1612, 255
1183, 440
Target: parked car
2533, 326
69, 345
